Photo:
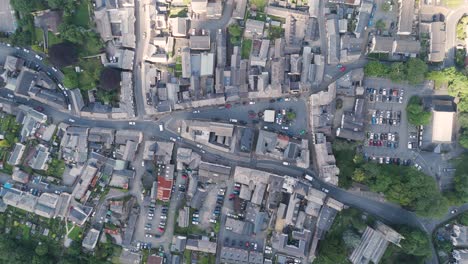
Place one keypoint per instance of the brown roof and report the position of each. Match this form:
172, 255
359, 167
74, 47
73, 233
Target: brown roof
154, 260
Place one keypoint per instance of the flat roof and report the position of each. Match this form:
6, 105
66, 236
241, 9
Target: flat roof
442, 126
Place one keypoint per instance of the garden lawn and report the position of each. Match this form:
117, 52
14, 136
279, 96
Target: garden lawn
246, 48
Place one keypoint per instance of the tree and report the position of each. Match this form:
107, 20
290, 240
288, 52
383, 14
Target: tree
110, 79
463, 219
380, 24
463, 140
461, 179
23, 6
359, 175
463, 120
461, 34
56, 4
290, 115
386, 6
339, 103
235, 32
397, 72
275, 32
72, 33
42, 249
415, 243
375, 69
416, 113
63, 54
416, 70
21, 37
351, 239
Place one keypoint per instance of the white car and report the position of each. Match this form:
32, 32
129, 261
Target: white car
285, 163
213, 221
285, 127
172, 139
142, 163
55, 69
251, 102
199, 146
131, 123
325, 190
10, 96
71, 120
26, 50
287, 99
196, 112
38, 57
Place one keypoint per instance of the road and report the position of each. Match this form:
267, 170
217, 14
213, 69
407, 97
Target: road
388, 212
214, 24
141, 29
451, 22
30, 60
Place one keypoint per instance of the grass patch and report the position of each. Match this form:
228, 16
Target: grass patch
56, 168
452, 3
191, 229
259, 5
85, 80
208, 259
81, 15
246, 48
26, 231
53, 39
178, 12
279, 19
76, 233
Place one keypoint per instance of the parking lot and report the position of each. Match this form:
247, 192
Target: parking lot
389, 18
214, 201
399, 142
387, 129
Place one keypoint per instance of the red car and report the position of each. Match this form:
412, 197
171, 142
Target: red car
39, 108
161, 229
342, 68
228, 106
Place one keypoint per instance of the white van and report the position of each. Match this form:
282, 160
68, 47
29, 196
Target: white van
161, 127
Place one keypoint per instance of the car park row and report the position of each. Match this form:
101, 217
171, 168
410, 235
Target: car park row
391, 95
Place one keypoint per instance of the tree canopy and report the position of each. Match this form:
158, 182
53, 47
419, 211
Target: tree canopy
63, 54
457, 83
235, 32
110, 79
413, 71
416, 113
461, 179
406, 186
